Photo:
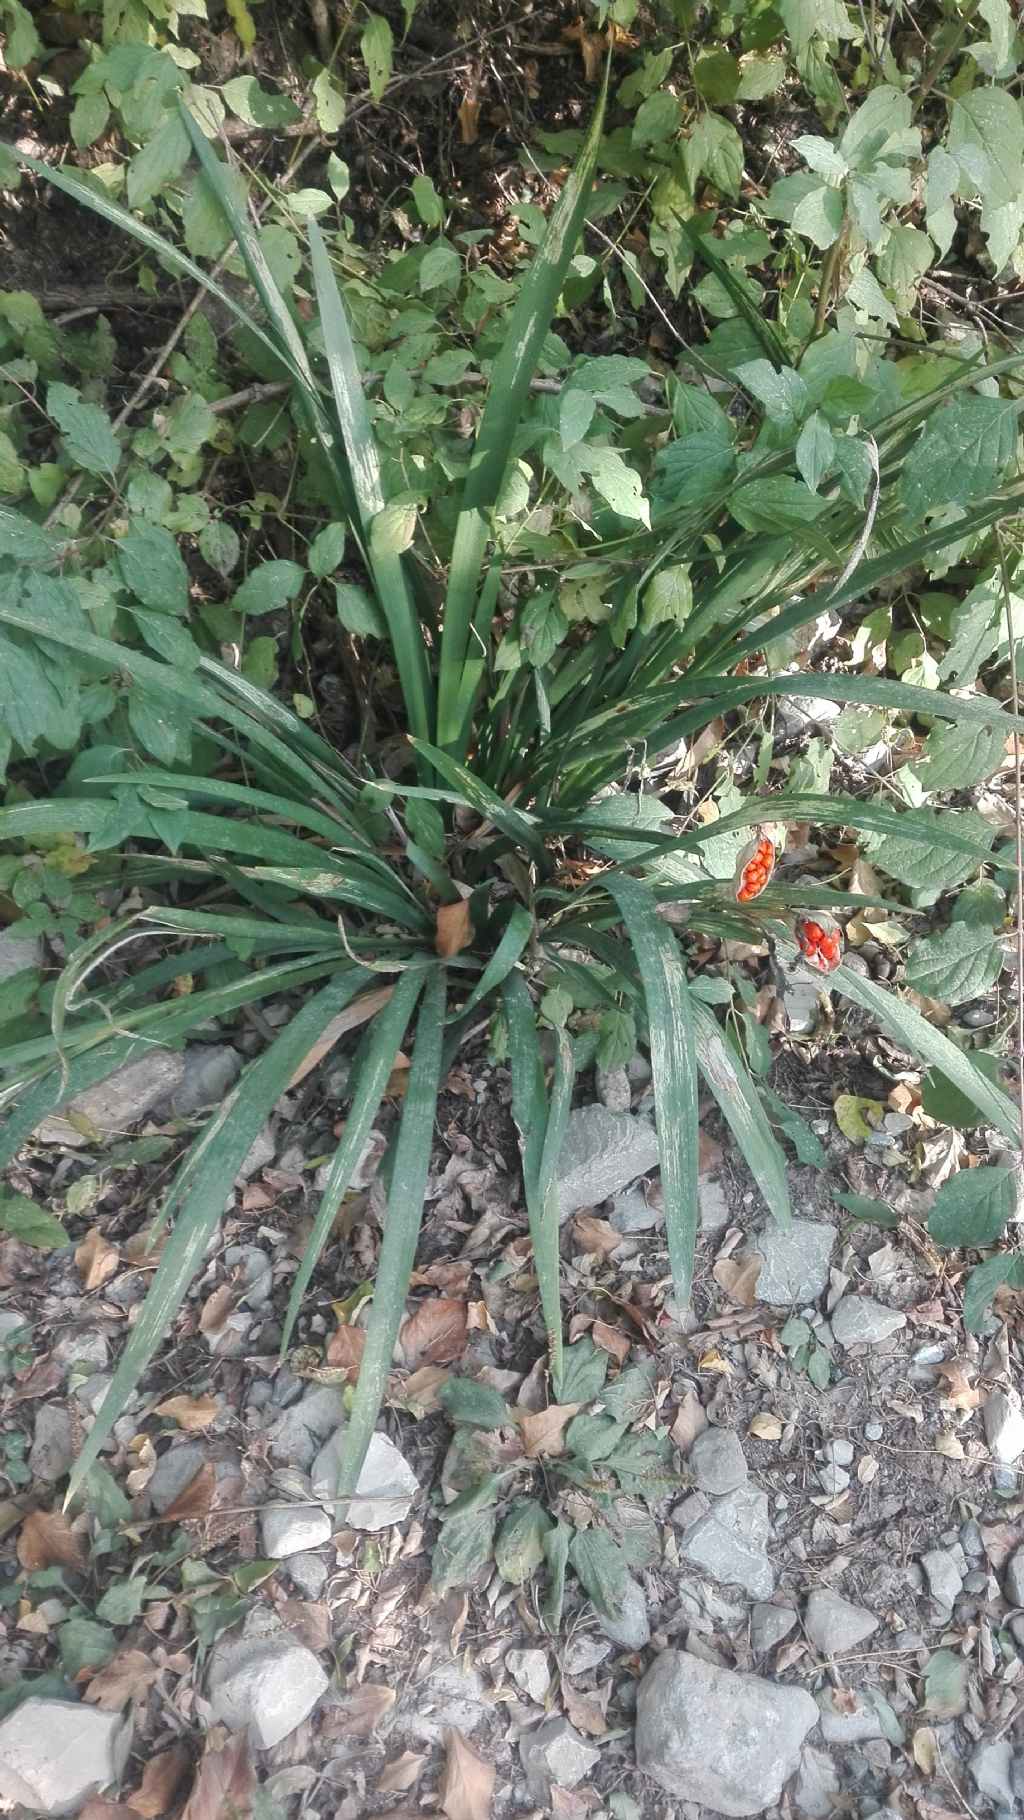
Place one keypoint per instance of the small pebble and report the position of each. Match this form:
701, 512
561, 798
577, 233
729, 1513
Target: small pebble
838, 1452
873, 1431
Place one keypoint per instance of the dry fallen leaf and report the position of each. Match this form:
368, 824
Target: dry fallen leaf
99, 1808
435, 1333
225, 1782
586, 1710
469, 120
960, 1392
712, 1360
690, 1420
96, 1259
359, 1713
924, 1749
196, 1500
596, 1237
948, 1446
419, 1393
396, 1777
611, 1341
738, 1277
867, 1469
193, 1414
309, 1621
46, 1540
161, 1780
454, 927
345, 1350
215, 1310
766, 1427
544, 1433
128, 1675
467, 1783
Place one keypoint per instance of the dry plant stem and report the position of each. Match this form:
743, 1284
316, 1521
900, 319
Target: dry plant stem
1018, 799
935, 68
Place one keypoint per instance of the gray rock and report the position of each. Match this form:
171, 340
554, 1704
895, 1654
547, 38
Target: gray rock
1004, 1426
452, 1695
632, 1628
261, 1152
585, 1651
717, 1461
17, 954
298, 1433
855, 1727
945, 1581
93, 1390
768, 1625
309, 1573
11, 1322
254, 1272
531, 1672
839, 1451
632, 1212
1013, 1585
796, 1261
290, 1529
801, 1001
857, 1320
817, 1783
54, 1754
268, 1684
729, 1542
991, 1766
715, 1212
727, 1741
210, 1071
833, 1479
174, 1470
602, 1153
613, 1089
387, 1484
555, 1754
52, 1449
113, 1106
834, 1625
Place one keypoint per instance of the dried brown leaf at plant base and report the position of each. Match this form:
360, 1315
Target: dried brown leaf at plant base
196, 1500
543, 1434
454, 928
96, 1260
596, 1237
46, 1539
395, 1778
192, 1414
435, 1333
738, 1277
225, 1782
345, 1350
360, 1712
99, 1808
611, 1341
161, 1780
690, 1421
128, 1676
467, 1784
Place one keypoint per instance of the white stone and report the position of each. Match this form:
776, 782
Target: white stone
729, 1540
268, 1684
602, 1153
1013, 1585
717, 1461
858, 1725
631, 1629
991, 1767
945, 1581
816, 1788
795, 1262
385, 1491
555, 1754
309, 1573
834, 1625
113, 1106
290, 1529
727, 1741
857, 1320
299, 1432
531, 1672
768, 1625
713, 1202
55, 1754
1004, 1426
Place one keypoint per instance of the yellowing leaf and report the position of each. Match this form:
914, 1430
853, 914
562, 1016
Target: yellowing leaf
712, 1360
454, 928
467, 1784
243, 22
766, 1427
193, 1414
924, 1749
948, 1446
857, 1117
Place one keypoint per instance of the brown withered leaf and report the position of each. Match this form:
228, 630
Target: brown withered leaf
419, 1393
161, 1780
467, 1783
396, 1777
216, 1308
587, 1710
690, 1420
960, 1392
596, 1237
345, 1350
738, 1277
193, 1414
309, 1621
361, 1711
225, 1782
96, 1260
469, 120
99, 1808
196, 1500
766, 1426
611, 1341
544, 1433
435, 1333
454, 923
128, 1676
46, 1540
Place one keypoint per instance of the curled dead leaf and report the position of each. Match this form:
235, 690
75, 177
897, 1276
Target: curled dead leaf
309, 1621
396, 1777
690, 1420
469, 120
360, 1712
611, 1341
949, 1446
766, 1427
738, 1277
544, 1433
193, 1414
596, 1237
419, 1393
128, 1676
345, 1350
46, 1540
454, 922
435, 1333
467, 1783
96, 1260
225, 1783
960, 1392
925, 1750
161, 1780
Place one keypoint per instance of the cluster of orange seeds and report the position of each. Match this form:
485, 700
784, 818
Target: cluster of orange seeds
754, 868
820, 943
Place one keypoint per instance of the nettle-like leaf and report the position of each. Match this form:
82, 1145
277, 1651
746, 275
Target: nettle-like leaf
973, 1207
986, 137
960, 963
962, 454
957, 758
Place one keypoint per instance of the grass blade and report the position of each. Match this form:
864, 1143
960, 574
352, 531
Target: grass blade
470, 789
515, 936
531, 1114
673, 1065
213, 1163
741, 1106
384, 1040
510, 381
401, 1230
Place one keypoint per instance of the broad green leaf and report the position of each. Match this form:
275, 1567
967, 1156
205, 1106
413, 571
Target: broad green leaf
668, 597
556, 1557
429, 205
962, 454
219, 546
957, 758
716, 76
268, 588
464, 1545
152, 569
945, 1103
584, 1370
377, 47
945, 1685
601, 1569
656, 120
328, 101
519, 1543
958, 964
160, 161
23, 1219
358, 613
473, 1403
84, 1644
326, 550
972, 1208
936, 867
1005, 1270
258, 106
618, 483
874, 1213
815, 450
88, 434
715, 150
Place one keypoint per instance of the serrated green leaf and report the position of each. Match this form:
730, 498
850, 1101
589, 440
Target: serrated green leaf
219, 546
326, 550
962, 454
162, 159
473, 1403
152, 569
84, 1644
601, 1569
88, 434
972, 1208
815, 450
958, 964
985, 1279
668, 597
584, 1370
464, 1546
358, 613
24, 1220
519, 1543
957, 758
268, 588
